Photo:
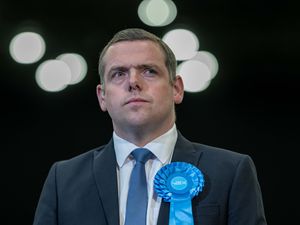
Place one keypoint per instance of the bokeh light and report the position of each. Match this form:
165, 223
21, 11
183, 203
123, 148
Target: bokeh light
77, 65
208, 59
27, 47
157, 12
53, 75
195, 74
183, 43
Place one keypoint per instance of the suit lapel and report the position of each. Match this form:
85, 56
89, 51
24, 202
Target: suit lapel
106, 180
183, 152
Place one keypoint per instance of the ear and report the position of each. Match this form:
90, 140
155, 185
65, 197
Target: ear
101, 97
178, 90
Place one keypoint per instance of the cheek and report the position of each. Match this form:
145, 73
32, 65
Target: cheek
163, 95
113, 100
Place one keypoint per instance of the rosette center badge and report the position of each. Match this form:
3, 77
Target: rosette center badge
179, 183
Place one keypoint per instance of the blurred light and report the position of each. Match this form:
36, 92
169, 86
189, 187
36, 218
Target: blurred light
53, 75
195, 74
172, 12
77, 65
157, 12
27, 47
208, 59
183, 43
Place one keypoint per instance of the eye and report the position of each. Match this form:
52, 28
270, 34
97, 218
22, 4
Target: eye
118, 74
149, 72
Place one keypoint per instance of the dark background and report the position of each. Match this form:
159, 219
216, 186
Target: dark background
250, 106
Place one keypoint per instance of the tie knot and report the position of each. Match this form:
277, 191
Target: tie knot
141, 155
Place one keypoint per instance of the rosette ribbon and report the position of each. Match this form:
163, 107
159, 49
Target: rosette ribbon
178, 183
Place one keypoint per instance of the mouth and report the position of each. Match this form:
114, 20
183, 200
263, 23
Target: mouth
135, 100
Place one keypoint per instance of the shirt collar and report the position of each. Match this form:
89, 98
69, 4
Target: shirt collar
162, 147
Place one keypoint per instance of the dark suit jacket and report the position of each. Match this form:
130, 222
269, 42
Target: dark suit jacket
83, 190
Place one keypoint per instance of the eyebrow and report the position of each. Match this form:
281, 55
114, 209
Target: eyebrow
125, 68
147, 66
117, 68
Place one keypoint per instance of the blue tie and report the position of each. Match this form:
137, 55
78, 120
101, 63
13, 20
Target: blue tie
137, 198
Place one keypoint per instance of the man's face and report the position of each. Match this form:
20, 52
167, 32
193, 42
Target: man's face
137, 90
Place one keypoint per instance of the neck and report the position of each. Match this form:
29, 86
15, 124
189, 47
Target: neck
141, 136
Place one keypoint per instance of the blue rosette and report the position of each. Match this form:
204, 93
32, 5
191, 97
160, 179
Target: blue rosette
178, 183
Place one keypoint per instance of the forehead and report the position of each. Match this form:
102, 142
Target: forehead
134, 52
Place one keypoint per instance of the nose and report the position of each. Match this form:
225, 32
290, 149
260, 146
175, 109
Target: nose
134, 80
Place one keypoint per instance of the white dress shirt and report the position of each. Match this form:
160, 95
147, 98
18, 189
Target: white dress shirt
162, 147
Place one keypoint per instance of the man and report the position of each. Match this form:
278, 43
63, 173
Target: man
139, 89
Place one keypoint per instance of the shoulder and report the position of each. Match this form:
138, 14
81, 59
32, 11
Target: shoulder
74, 171
223, 160
213, 157
80, 162
208, 150
213, 151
